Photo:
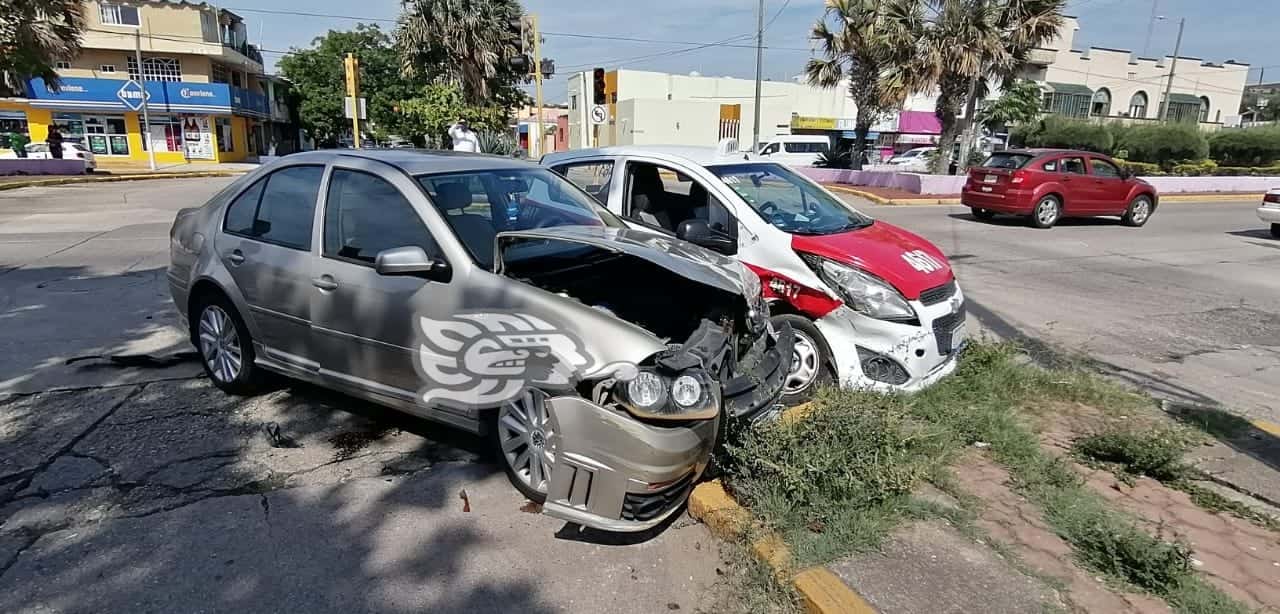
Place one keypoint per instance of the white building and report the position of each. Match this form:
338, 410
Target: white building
1114, 83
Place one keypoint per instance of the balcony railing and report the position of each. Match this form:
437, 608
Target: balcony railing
245, 49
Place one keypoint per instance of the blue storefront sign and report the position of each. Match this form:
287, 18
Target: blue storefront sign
162, 97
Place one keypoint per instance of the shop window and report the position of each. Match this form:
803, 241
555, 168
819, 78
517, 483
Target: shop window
225, 141
118, 14
12, 122
156, 69
218, 74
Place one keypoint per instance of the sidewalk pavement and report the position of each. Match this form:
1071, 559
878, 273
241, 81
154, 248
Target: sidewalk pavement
896, 196
129, 171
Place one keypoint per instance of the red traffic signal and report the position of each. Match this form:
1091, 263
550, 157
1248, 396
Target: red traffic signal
598, 89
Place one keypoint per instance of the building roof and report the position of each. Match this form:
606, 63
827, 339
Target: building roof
1069, 89
1177, 98
418, 161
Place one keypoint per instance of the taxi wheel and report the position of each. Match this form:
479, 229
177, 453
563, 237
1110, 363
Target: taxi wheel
983, 214
520, 435
226, 349
811, 360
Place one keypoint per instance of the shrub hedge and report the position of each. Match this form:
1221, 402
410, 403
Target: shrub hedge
1239, 147
1164, 144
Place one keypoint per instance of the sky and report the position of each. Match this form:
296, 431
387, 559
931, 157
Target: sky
1216, 31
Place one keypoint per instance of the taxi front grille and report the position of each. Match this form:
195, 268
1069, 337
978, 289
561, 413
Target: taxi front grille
647, 506
944, 329
936, 295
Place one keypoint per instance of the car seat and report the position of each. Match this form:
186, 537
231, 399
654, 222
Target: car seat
475, 231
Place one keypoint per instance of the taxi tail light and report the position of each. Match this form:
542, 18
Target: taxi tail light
1271, 198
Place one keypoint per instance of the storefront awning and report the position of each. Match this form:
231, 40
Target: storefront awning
104, 95
1184, 99
918, 139
1069, 89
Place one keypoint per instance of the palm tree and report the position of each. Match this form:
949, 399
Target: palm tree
861, 48
966, 42
464, 43
34, 35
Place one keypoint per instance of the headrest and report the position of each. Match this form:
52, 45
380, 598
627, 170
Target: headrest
452, 195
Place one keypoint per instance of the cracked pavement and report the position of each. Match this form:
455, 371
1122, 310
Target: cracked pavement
1186, 307
132, 489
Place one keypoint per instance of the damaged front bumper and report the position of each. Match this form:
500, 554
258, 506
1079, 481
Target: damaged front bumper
616, 473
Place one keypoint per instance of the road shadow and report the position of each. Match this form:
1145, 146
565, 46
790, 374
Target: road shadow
1182, 403
169, 495
1013, 220
1254, 233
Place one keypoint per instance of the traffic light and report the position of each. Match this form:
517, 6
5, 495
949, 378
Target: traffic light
598, 87
548, 68
515, 39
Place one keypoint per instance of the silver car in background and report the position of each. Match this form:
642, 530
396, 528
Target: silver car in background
344, 268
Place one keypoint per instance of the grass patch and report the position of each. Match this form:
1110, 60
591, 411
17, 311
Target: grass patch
748, 586
1155, 452
839, 481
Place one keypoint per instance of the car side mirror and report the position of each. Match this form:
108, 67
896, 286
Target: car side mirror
698, 232
1126, 174
411, 261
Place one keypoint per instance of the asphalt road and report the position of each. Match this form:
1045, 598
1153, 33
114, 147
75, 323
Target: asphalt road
1187, 306
145, 489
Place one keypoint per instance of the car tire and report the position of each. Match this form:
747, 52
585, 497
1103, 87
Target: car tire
223, 340
1047, 212
507, 442
1275, 231
985, 215
1139, 211
811, 360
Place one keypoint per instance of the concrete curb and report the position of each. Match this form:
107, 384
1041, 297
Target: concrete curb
823, 592
1168, 198
112, 178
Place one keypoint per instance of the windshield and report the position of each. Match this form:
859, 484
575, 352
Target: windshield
788, 200
478, 205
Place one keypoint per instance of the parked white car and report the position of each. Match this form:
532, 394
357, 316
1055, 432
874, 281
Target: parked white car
1269, 212
795, 149
70, 149
913, 160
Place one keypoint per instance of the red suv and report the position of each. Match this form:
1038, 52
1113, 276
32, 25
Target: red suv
1049, 184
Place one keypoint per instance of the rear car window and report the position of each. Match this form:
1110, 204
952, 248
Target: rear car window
1007, 160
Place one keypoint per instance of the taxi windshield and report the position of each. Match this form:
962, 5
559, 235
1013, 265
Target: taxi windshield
789, 201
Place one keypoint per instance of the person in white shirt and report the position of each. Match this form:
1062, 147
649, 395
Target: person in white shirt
464, 138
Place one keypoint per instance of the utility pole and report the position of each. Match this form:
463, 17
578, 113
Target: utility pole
755, 131
537, 82
146, 118
353, 92
1173, 68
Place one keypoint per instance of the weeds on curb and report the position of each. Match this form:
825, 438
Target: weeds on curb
839, 481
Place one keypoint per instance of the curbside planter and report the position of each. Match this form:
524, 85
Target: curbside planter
54, 181
32, 166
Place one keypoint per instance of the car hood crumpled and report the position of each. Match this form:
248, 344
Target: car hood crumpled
685, 259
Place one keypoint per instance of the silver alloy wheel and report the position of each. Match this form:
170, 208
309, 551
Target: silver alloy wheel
804, 364
1141, 210
1047, 211
524, 433
220, 344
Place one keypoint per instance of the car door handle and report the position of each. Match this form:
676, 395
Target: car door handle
236, 257
324, 282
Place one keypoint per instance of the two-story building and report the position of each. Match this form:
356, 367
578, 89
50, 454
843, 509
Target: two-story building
203, 83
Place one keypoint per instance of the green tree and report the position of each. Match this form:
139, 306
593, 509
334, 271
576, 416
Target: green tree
859, 43
963, 43
437, 106
318, 78
1019, 103
463, 43
34, 34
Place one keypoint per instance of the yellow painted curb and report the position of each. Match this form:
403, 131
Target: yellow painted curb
112, 178
1269, 428
825, 593
797, 413
867, 195
1210, 198
822, 591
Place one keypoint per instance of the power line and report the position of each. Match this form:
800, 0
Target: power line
777, 15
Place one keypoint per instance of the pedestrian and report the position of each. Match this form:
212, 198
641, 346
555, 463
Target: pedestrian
464, 138
55, 142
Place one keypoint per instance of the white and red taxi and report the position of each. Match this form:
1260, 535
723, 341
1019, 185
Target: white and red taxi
872, 305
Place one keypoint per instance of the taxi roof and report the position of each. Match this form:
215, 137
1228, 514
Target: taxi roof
701, 156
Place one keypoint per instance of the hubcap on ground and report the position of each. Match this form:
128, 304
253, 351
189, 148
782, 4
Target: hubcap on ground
1141, 210
220, 344
804, 364
524, 433
1047, 211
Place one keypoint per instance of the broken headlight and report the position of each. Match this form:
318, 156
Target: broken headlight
689, 395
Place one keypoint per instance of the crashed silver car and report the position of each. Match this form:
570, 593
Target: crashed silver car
602, 362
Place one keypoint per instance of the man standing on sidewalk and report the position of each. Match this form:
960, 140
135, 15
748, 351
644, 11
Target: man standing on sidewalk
55, 142
464, 138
